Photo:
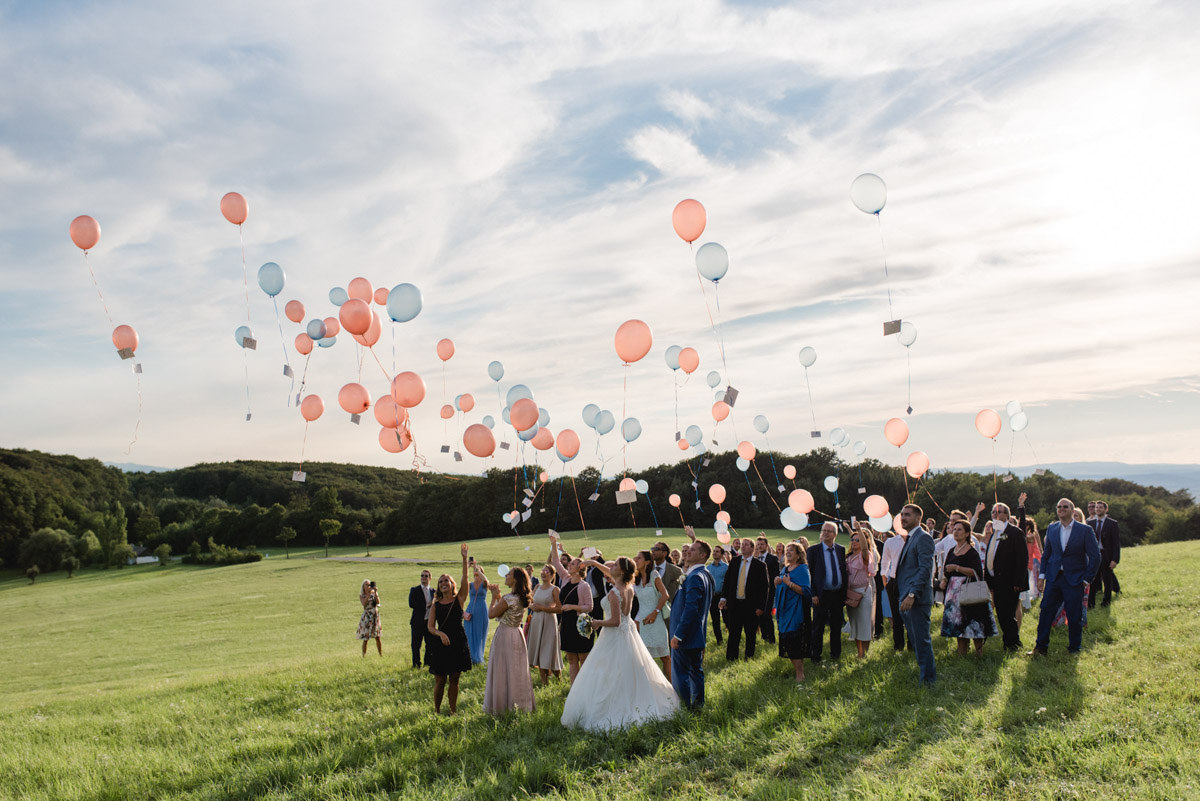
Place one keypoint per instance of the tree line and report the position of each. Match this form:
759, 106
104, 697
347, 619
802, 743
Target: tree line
62, 512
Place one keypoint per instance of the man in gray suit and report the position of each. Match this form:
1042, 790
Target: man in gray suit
670, 574
914, 583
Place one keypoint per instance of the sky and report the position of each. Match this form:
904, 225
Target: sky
519, 163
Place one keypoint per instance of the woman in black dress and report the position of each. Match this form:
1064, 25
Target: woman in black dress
575, 595
448, 652
971, 621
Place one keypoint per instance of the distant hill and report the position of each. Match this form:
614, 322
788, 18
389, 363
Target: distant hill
1169, 476
130, 467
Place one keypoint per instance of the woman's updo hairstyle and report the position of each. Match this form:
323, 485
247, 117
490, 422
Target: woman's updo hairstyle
625, 569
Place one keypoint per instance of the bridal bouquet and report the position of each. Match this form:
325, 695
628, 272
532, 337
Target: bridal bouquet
584, 625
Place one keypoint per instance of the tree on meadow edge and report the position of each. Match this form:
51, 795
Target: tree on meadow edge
329, 530
286, 535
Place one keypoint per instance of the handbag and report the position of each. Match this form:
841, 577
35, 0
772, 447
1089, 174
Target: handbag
974, 592
853, 598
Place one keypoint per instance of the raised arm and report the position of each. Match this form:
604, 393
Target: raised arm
499, 605
604, 571
556, 559
462, 585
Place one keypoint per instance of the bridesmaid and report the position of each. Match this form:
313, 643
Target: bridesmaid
651, 597
508, 683
544, 651
448, 652
476, 616
575, 598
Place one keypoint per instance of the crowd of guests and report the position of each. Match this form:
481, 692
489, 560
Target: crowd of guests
794, 595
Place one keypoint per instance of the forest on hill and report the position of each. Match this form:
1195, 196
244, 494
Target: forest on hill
95, 512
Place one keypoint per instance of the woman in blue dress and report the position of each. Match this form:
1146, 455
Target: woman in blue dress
792, 594
476, 618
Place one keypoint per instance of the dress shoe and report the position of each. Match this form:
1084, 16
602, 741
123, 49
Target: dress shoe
1037, 652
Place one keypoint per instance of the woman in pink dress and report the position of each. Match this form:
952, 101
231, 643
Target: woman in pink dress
508, 683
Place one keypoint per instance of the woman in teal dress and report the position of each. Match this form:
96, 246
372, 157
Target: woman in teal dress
475, 621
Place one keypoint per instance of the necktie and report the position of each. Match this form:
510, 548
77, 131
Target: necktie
833, 570
741, 588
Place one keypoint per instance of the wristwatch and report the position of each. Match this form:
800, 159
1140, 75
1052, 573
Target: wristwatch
912, 595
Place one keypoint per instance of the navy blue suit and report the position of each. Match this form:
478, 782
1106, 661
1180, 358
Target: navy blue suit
1065, 572
689, 625
914, 576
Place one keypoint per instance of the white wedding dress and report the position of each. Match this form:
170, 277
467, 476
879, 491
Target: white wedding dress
620, 684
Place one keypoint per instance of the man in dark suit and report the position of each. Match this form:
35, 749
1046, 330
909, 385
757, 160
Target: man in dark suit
914, 584
827, 569
1070, 558
689, 626
762, 552
1006, 566
419, 599
671, 574
1109, 535
743, 597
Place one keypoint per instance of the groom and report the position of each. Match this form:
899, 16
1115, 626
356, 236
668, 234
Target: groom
689, 626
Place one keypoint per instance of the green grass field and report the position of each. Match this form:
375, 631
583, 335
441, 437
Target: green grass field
246, 682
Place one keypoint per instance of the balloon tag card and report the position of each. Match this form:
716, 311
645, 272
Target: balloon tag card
125, 353
590, 552
595, 496
445, 449
730, 396
527, 501
753, 498
458, 456
1041, 471
862, 490
891, 328
816, 434
626, 496
356, 418
529, 492
1007, 478
249, 343
782, 489
526, 515
247, 417
697, 504
299, 475
678, 436
137, 368
551, 532
287, 371
503, 446
706, 463
658, 532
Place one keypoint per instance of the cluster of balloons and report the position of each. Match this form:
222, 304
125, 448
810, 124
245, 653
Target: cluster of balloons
85, 234
1018, 420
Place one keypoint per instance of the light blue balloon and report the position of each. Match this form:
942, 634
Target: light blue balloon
742, 464
338, 296
327, 342
694, 435
672, 357
712, 261
528, 433
714, 378
516, 393
631, 429
495, 371
270, 278
543, 417
719, 395
489, 421
504, 413
458, 402
243, 332
761, 423
605, 422
315, 329
404, 302
641, 486
701, 448
591, 413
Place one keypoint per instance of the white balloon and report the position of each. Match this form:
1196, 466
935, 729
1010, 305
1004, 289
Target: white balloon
503, 570
808, 356
831, 483
641, 486
506, 517
714, 378
720, 526
672, 357
1019, 421
869, 193
835, 436
543, 418
591, 413
908, 334
694, 435
881, 524
761, 423
860, 448
792, 520
1013, 407
719, 395
712, 261
605, 422
489, 421
845, 440
742, 464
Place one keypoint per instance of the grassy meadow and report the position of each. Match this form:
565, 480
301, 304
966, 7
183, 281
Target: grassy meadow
246, 682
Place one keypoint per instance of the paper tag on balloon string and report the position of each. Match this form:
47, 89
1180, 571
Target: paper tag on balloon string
658, 532
249, 343
551, 532
247, 417
862, 490
458, 456
909, 410
445, 449
626, 496
137, 368
697, 504
891, 328
525, 515
527, 502
515, 520
529, 492
678, 436
706, 461
1007, 478
730, 396
595, 496
297, 398
1041, 471
125, 353
694, 485
753, 498
503, 446
356, 419
782, 489
299, 475
287, 371
816, 434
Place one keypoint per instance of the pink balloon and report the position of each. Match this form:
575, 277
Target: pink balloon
447, 412
543, 476
467, 402
478, 440
716, 494
681, 443
633, 340
332, 328
875, 506
388, 413
445, 349
123, 336
543, 440
723, 537
789, 472
899, 529
85, 232
917, 463
372, 336
355, 315
394, 440
235, 208
689, 219
524, 414
724, 516
689, 360
381, 296
896, 431
354, 398
294, 311
987, 422
674, 500
801, 500
360, 288
720, 410
304, 344
627, 484
568, 443
746, 449
312, 407
408, 389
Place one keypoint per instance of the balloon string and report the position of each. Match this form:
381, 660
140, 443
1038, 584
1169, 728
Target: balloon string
1035, 456
246, 365
682, 522
362, 356
935, 503
245, 274
675, 381
138, 426
711, 321
96, 284
752, 503
652, 512
887, 278
812, 409
909, 379
995, 480
1011, 448
304, 374
558, 507
303, 443
696, 476
394, 350
283, 344
575, 490
632, 516
760, 478
771, 456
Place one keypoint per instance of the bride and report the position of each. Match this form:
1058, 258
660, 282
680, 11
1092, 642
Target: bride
620, 684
